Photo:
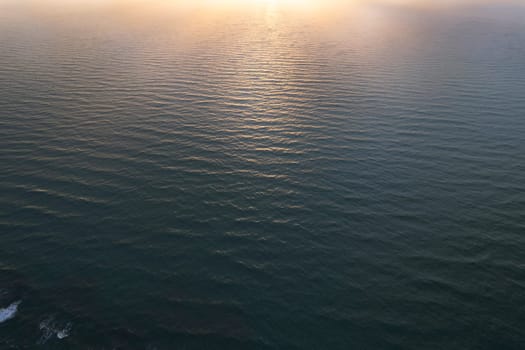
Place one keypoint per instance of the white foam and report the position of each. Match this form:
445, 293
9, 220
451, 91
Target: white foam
45, 327
50, 328
63, 333
9, 312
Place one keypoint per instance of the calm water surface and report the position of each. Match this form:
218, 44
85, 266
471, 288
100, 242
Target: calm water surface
262, 174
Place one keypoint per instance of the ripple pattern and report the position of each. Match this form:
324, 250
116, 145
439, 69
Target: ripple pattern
264, 180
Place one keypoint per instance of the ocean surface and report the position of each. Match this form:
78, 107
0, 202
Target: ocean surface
262, 174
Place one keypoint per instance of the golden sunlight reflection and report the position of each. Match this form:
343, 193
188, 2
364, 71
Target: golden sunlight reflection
201, 12
253, 41
199, 17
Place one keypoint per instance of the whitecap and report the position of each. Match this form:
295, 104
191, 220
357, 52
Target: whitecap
9, 312
50, 328
63, 333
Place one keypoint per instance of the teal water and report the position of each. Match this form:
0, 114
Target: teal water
352, 177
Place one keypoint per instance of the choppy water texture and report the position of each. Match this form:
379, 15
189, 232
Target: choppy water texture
273, 175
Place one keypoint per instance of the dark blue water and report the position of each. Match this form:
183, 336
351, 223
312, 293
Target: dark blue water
273, 175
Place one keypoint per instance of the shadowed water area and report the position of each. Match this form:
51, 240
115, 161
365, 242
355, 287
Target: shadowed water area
262, 174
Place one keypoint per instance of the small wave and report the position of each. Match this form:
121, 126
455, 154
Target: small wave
9, 312
50, 328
